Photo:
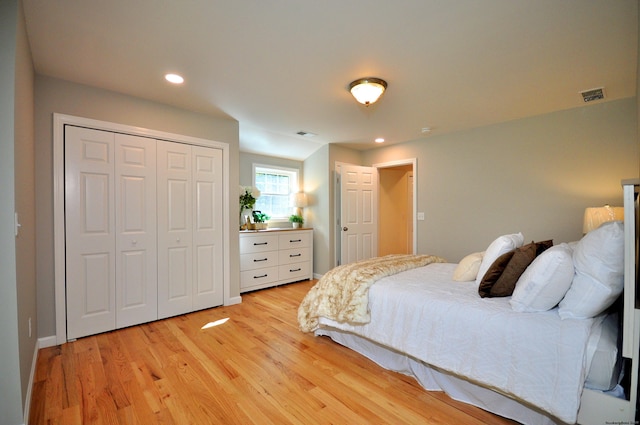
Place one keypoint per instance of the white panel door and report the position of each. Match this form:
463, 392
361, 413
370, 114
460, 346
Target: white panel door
90, 231
136, 252
358, 212
175, 224
207, 227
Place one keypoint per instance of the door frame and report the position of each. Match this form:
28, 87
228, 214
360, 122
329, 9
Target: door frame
59, 123
414, 163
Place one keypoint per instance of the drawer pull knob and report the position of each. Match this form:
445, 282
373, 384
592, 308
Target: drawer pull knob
259, 259
295, 240
260, 277
294, 270
260, 243
294, 255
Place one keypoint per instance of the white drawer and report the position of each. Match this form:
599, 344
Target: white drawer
296, 255
293, 272
258, 260
258, 277
258, 243
290, 240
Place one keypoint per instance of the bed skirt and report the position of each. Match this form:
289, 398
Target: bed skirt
435, 380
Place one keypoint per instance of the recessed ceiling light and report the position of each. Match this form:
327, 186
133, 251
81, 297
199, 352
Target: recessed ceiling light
174, 78
379, 140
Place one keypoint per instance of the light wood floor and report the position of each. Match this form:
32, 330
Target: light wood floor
257, 368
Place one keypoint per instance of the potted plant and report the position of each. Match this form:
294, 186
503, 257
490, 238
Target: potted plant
296, 220
260, 219
248, 197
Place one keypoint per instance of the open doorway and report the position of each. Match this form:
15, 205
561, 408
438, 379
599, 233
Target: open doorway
396, 208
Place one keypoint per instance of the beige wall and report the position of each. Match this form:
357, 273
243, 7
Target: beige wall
57, 96
534, 175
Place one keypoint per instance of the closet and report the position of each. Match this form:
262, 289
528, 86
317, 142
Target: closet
143, 226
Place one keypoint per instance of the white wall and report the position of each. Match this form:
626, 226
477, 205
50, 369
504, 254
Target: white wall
57, 96
535, 175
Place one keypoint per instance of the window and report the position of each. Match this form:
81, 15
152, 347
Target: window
276, 184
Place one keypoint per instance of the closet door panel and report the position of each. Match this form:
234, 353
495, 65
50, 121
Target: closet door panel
90, 231
175, 241
136, 244
207, 232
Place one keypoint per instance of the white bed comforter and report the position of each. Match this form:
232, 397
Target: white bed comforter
536, 358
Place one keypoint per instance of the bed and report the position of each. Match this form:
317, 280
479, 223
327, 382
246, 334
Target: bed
563, 349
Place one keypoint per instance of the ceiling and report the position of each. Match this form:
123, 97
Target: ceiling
283, 66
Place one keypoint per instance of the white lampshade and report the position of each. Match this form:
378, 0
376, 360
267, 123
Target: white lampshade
595, 216
299, 200
367, 90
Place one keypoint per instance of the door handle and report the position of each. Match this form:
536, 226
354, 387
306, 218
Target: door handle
345, 228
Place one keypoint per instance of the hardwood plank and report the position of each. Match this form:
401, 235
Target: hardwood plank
256, 368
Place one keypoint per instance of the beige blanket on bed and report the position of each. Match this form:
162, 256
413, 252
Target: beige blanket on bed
342, 293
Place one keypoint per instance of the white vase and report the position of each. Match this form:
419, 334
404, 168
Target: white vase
296, 225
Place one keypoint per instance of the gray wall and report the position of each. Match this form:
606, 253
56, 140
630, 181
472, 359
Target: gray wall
534, 175
246, 173
57, 96
248, 159
16, 350
319, 178
25, 204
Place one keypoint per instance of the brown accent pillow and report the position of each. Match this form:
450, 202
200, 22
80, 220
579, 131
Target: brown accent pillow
502, 276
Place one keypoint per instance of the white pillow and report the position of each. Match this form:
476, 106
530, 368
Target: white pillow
545, 282
498, 247
468, 267
599, 262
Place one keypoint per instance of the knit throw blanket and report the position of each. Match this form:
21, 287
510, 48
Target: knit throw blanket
342, 294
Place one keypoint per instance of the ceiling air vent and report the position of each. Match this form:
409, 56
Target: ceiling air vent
305, 134
593, 94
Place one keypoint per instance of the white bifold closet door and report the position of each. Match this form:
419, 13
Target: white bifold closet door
143, 225
110, 212
189, 228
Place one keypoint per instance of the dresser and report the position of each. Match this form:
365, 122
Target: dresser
275, 256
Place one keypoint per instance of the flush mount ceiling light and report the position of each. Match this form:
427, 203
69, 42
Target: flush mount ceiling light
174, 78
367, 90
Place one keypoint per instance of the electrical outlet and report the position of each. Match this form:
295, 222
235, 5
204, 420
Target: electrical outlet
421, 216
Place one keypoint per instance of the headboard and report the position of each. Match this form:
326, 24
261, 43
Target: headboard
597, 407
631, 317
631, 327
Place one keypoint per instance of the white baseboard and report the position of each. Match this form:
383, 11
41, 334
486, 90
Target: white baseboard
34, 362
317, 275
47, 341
234, 300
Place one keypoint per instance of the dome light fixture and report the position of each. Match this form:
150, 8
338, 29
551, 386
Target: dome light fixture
367, 90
